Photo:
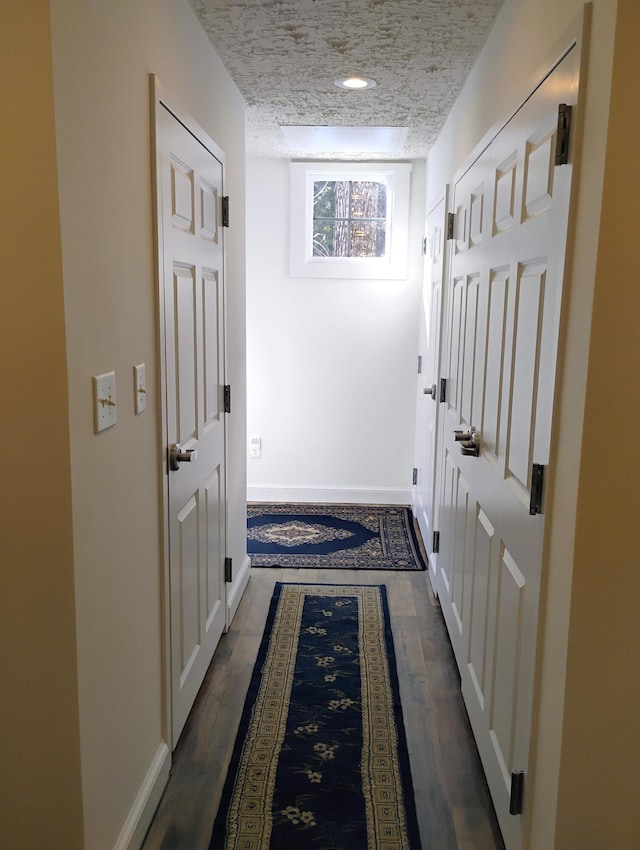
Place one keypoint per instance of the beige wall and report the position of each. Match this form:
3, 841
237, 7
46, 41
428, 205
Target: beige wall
81, 521
102, 57
582, 795
40, 795
600, 768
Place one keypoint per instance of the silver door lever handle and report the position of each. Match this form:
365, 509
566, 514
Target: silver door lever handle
470, 441
430, 391
178, 455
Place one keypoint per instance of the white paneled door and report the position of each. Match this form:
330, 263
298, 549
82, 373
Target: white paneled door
426, 487
502, 327
192, 295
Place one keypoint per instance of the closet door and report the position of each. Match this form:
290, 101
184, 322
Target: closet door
192, 314
511, 213
426, 489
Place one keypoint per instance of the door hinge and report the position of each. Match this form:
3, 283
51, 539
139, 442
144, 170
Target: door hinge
228, 569
424, 245
537, 482
415, 475
516, 797
451, 220
419, 364
443, 389
225, 211
562, 134
435, 546
227, 398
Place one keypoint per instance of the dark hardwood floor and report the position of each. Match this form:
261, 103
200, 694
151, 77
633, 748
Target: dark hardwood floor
452, 799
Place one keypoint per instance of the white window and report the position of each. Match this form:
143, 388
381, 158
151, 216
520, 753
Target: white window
349, 220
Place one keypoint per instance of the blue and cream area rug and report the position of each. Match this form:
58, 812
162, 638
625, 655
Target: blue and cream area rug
356, 537
320, 761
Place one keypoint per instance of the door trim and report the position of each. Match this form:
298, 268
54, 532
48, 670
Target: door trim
161, 99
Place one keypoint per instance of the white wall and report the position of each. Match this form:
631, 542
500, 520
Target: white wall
103, 54
331, 364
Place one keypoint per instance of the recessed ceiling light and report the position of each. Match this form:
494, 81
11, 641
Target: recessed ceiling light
355, 83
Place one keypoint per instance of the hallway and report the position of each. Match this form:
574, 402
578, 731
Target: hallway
452, 800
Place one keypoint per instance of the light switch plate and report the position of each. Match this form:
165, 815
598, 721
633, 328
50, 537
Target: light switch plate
104, 401
140, 387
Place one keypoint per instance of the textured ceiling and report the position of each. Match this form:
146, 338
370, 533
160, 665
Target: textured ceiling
285, 54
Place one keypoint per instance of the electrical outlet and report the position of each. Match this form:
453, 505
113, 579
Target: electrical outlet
104, 401
255, 447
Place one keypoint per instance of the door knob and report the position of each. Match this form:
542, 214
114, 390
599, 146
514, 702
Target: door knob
430, 391
470, 441
178, 455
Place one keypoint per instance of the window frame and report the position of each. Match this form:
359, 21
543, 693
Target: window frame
394, 265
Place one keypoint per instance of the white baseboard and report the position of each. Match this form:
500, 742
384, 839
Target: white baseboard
146, 803
333, 495
238, 587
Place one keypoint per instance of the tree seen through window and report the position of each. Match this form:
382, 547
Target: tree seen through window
349, 218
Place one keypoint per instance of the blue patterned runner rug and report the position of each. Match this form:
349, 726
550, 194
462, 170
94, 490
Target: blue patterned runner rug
320, 761
356, 537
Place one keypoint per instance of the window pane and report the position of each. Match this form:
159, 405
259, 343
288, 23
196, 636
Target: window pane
349, 218
324, 199
368, 200
322, 239
331, 238
368, 239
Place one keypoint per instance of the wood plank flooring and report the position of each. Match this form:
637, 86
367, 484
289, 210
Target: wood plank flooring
452, 800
